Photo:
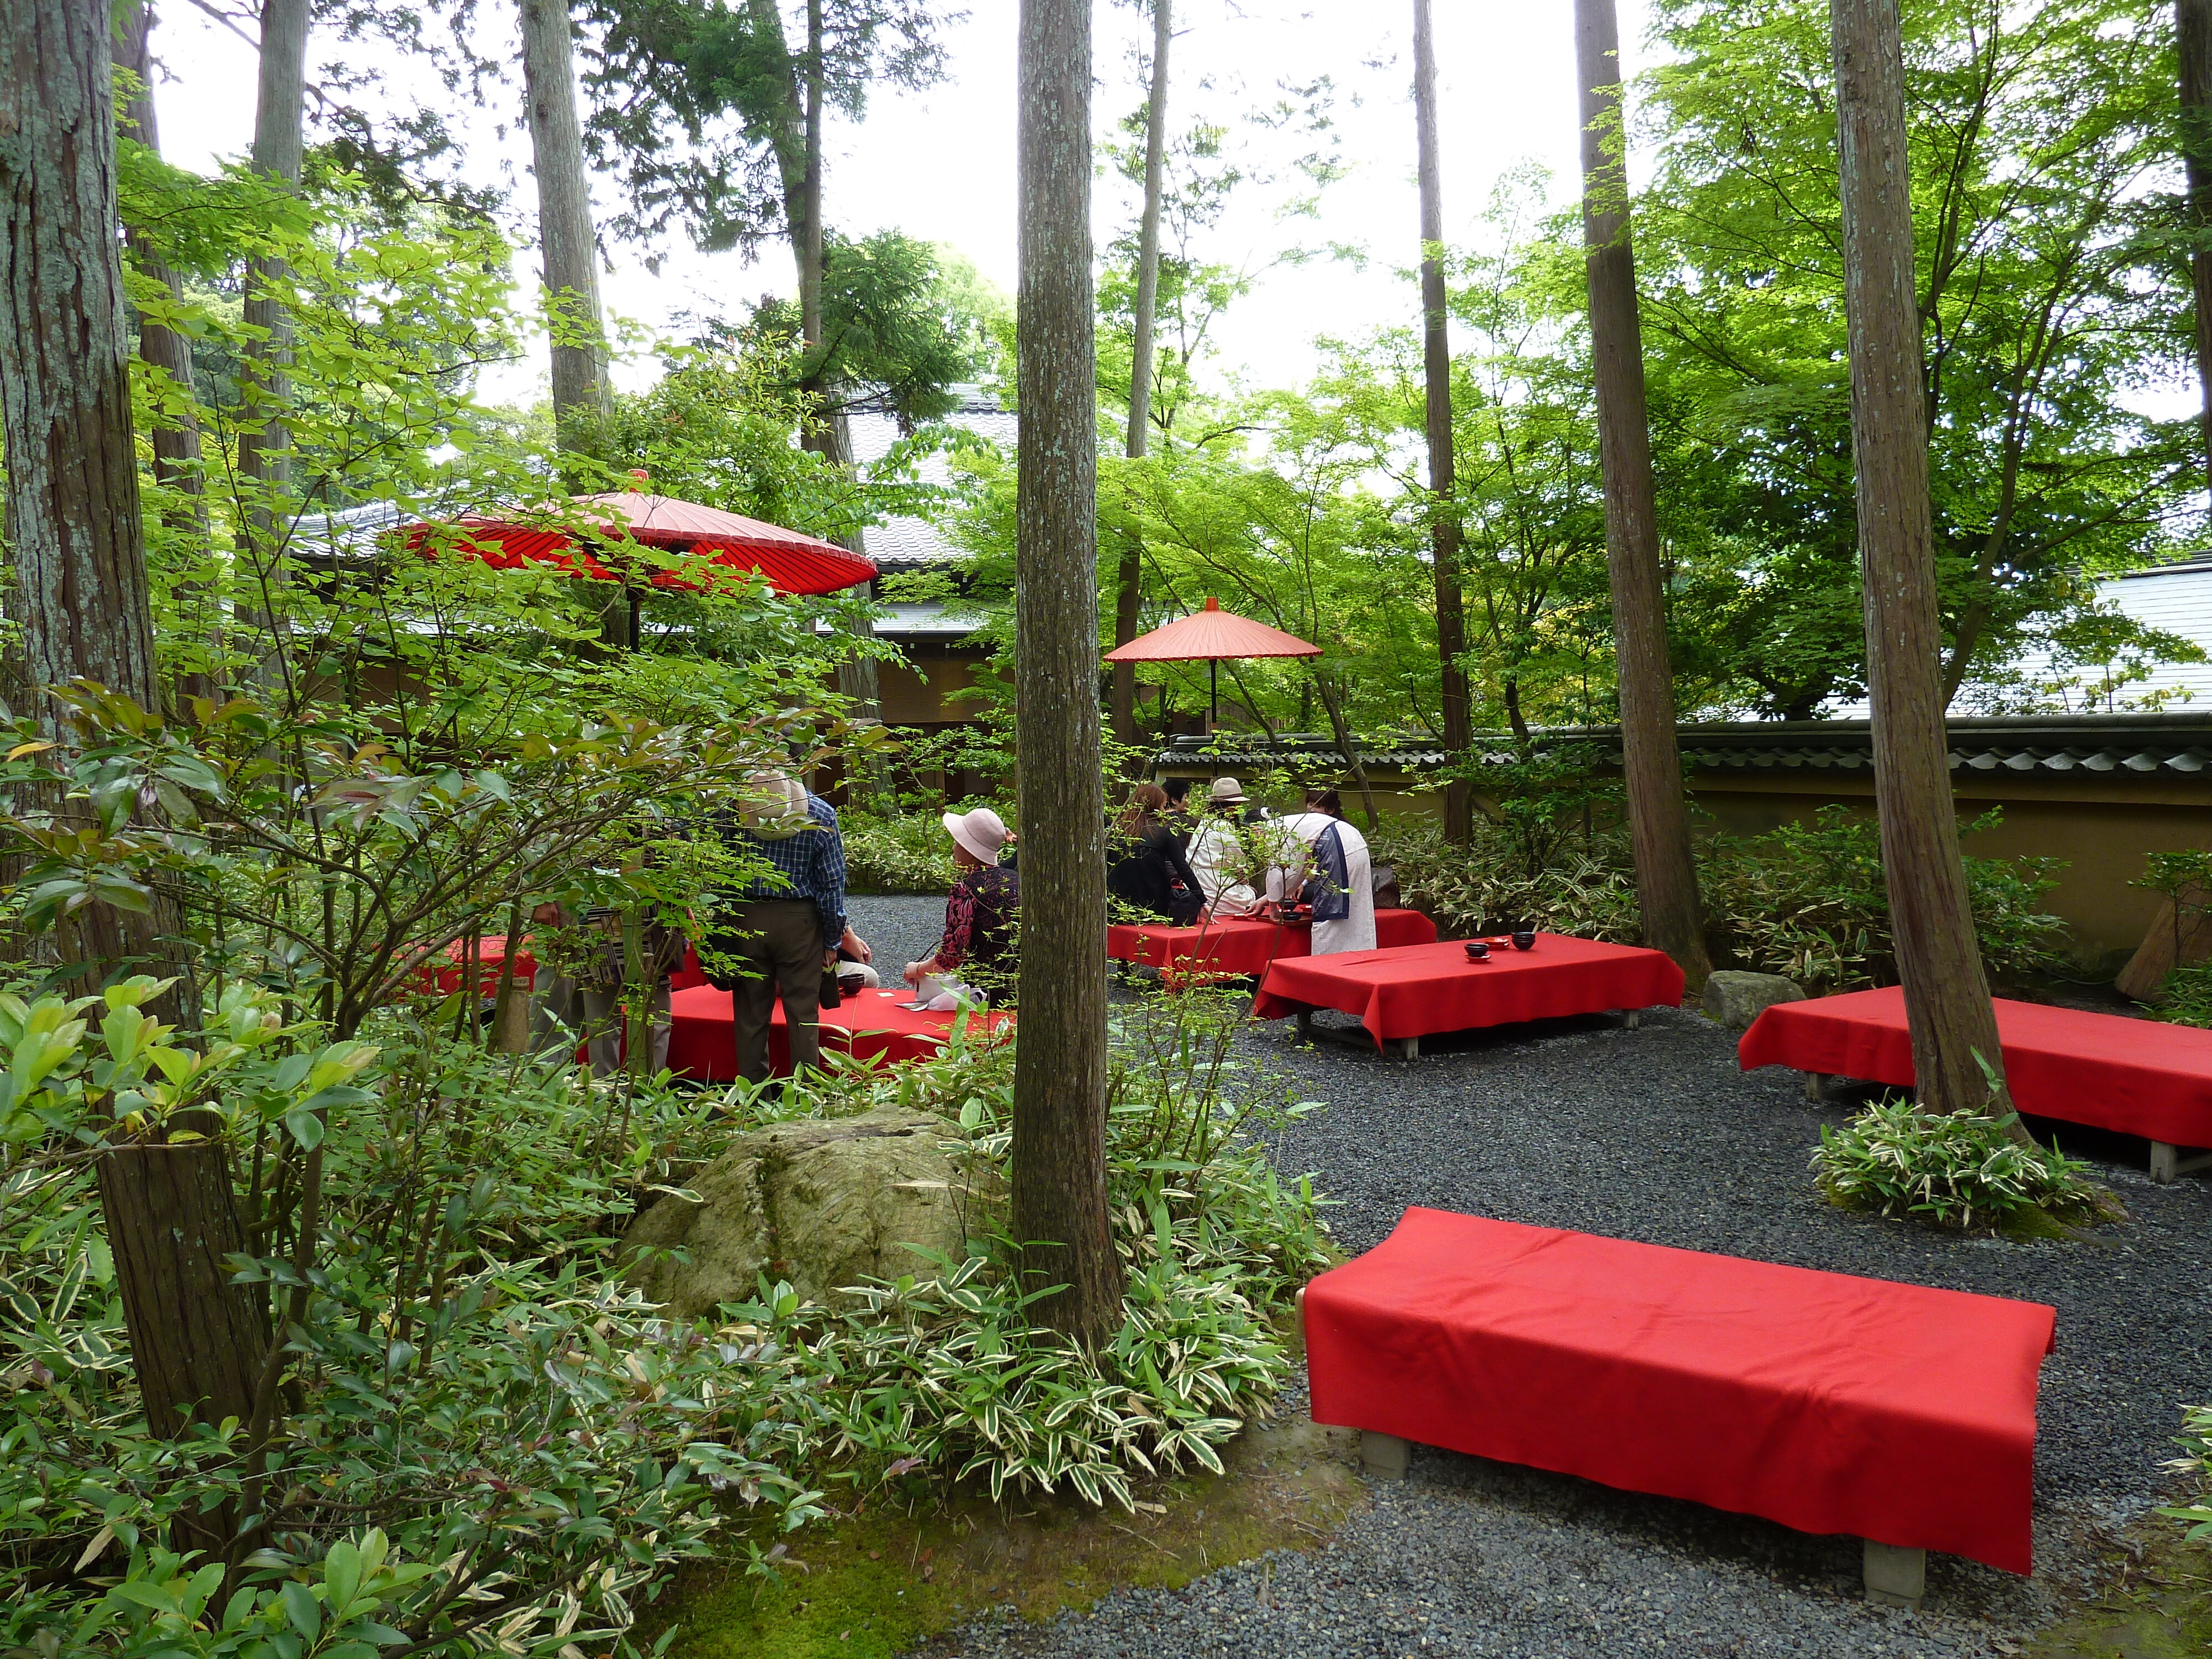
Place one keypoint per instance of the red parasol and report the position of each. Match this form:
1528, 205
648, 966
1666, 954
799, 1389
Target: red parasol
1209, 635
790, 561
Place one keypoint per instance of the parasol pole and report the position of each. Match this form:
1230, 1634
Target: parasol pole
1213, 682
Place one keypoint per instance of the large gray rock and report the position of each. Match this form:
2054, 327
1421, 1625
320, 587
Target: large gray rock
820, 1203
1737, 999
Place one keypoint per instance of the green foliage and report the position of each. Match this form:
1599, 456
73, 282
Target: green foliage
941, 1376
1958, 1170
1807, 900
2196, 1439
2184, 996
906, 853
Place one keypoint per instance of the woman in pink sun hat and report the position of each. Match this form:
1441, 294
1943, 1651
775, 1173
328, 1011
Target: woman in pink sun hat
977, 950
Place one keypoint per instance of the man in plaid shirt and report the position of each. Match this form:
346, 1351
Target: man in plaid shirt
782, 932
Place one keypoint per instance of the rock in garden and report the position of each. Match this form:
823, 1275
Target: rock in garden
821, 1203
1737, 999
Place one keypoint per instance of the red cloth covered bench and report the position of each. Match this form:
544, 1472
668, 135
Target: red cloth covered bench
1243, 946
1406, 994
702, 1041
1899, 1414
445, 969
2139, 1077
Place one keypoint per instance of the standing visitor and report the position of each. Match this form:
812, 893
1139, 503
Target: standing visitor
1338, 875
1147, 868
980, 912
780, 933
1219, 858
582, 980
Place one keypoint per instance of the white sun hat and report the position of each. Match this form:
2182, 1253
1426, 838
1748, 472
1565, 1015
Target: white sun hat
981, 833
775, 806
1225, 791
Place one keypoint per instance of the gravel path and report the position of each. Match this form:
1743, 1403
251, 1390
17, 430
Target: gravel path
1654, 1134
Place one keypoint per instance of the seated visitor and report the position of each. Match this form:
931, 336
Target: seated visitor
976, 954
1146, 868
1220, 858
1336, 877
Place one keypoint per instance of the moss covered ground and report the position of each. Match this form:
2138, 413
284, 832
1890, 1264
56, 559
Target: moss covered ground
879, 1579
2156, 1603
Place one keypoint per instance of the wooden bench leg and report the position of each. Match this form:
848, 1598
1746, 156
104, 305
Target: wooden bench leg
1305, 1025
2164, 1157
1814, 1083
1895, 1577
1383, 1456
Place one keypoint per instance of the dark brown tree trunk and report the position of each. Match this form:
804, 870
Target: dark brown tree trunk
1436, 342
1060, 1064
1651, 766
2193, 19
1129, 575
81, 600
1946, 996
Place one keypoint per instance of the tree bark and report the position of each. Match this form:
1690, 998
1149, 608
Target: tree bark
1060, 1064
1946, 997
1436, 352
176, 448
583, 403
568, 249
264, 440
81, 600
1652, 765
2193, 21
176, 442
1129, 576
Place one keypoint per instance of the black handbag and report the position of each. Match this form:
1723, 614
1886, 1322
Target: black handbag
831, 997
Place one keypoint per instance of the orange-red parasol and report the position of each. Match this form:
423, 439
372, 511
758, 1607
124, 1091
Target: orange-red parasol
790, 561
1209, 635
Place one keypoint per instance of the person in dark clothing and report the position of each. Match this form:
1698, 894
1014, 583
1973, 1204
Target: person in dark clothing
1177, 815
1147, 868
980, 912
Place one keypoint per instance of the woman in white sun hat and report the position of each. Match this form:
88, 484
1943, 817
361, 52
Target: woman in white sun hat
980, 911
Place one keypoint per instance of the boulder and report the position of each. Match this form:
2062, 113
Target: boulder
1737, 999
822, 1203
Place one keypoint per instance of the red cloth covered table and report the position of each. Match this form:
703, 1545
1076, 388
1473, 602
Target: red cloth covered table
447, 968
703, 1041
1418, 989
2138, 1076
1243, 946
1828, 1403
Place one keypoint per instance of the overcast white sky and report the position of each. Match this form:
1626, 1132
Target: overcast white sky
941, 164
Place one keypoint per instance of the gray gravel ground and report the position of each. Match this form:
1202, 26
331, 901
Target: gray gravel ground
1654, 1134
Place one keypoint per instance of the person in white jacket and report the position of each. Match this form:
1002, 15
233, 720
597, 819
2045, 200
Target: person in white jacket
1339, 880
1218, 857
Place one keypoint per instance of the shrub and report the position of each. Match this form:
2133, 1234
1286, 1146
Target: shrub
1805, 900
2196, 1438
1588, 888
942, 1376
909, 854
1960, 1170
2184, 996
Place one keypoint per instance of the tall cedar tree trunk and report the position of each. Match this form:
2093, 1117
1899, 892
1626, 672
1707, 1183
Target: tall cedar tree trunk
583, 404
1946, 996
1436, 352
175, 441
1658, 818
279, 142
2193, 18
81, 600
1129, 575
1060, 1064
